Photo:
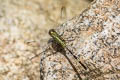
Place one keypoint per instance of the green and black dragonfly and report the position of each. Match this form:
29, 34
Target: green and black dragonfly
58, 39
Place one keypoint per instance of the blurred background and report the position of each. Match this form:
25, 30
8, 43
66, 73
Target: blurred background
28, 21
38, 16
52, 13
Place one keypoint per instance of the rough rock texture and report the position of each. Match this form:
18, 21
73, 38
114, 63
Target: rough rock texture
94, 38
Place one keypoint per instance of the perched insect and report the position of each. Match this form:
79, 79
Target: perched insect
62, 43
59, 40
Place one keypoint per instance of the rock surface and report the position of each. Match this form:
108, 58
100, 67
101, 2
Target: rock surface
94, 38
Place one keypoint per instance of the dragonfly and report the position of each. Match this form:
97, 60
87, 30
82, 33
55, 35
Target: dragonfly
62, 43
59, 40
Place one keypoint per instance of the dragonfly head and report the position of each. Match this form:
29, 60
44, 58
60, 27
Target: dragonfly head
52, 32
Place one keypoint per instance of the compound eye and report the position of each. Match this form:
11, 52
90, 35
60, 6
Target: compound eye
51, 31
